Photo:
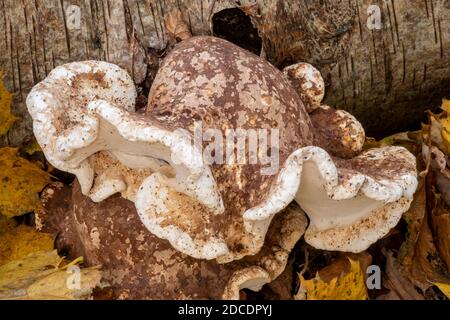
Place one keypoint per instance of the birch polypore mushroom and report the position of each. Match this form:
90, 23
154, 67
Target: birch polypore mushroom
198, 207
213, 200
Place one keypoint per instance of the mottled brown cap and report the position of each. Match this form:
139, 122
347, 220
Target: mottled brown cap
225, 87
337, 131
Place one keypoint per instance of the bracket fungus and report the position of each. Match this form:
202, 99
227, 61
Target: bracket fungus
189, 165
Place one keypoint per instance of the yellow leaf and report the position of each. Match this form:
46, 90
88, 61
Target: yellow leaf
17, 242
445, 288
347, 286
20, 182
408, 140
39, 276
446, 105
63, 285
6, 118
17, 275
446, 134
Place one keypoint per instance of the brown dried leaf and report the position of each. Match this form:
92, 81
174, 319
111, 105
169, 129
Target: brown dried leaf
445, 123
176, 27
418, 259
414, 217
342, 264
400, 286
440, 225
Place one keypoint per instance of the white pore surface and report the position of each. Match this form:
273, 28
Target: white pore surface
311, 178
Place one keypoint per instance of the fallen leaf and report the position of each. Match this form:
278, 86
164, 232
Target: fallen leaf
16, 242
176, 26
20, 183
437, 165
348, 285
440, 225
418, 259
446, 105
17, 275
407, 140
446, 133
342, 265
6, 118
445, 288
414, 218
55, 285
41, 276
401, 286
444, 121
433, 130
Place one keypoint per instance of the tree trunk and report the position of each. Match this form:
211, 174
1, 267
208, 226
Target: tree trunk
386, 74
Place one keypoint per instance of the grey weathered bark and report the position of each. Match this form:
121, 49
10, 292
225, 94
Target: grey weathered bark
385, 76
